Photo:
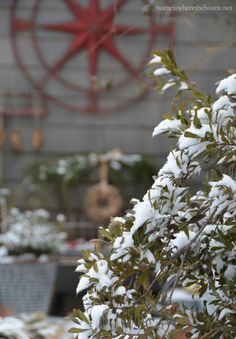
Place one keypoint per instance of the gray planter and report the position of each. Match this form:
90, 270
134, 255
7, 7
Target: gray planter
27, 286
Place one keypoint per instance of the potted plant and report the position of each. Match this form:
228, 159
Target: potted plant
28, 261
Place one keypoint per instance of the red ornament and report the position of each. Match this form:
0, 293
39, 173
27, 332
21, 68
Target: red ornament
94, 29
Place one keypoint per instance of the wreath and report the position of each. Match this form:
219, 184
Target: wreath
102, 200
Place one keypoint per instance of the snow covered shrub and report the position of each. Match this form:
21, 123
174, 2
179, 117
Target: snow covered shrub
30, 232
12, 328
32, 326
174, 236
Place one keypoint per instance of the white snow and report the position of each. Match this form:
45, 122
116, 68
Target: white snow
202, 115
168, 85
182, 239
227, 85
161, 71
143, 212
225, 312
179, 295
83, 284
121, 290
81, 266
87, 330
194, 144
147, 254
226, 181
219, 263
13, 327
167, 126
119, 219
221, 103
183, 86
230, 272
222, 117
61, 217
171, 165
96, 313
155, 59
121, 244
31, 230
126, 241
62, 167
103, 275
3, 251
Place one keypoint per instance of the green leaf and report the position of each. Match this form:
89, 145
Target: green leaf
79, 314
119, 330
178, 162
171, 56
196, 121
93, 280
225, 239
168, 116
202, 290
195, 218
76, 330
186, 231
86, 254
106, 234
188, 134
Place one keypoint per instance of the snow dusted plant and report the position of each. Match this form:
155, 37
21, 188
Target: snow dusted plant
30, 232
81, 168
175, 236
32, 326
13, 328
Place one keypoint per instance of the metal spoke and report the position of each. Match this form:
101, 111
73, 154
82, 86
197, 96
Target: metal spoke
93, 52
76, 45
66, 27
94, 6
21, 25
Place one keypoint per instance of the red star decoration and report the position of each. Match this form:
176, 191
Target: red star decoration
93, 29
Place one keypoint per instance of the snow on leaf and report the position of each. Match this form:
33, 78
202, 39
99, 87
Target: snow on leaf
155, 59
167, 126
227, 85
96, 313
183, 86
161, 71
168, 85
182, 240
144, 211
121, 245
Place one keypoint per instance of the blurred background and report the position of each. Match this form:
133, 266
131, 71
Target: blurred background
77, 106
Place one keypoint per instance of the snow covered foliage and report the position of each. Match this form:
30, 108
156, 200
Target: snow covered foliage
176, 235
12, 327
30, 232
35, 325
80, 168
